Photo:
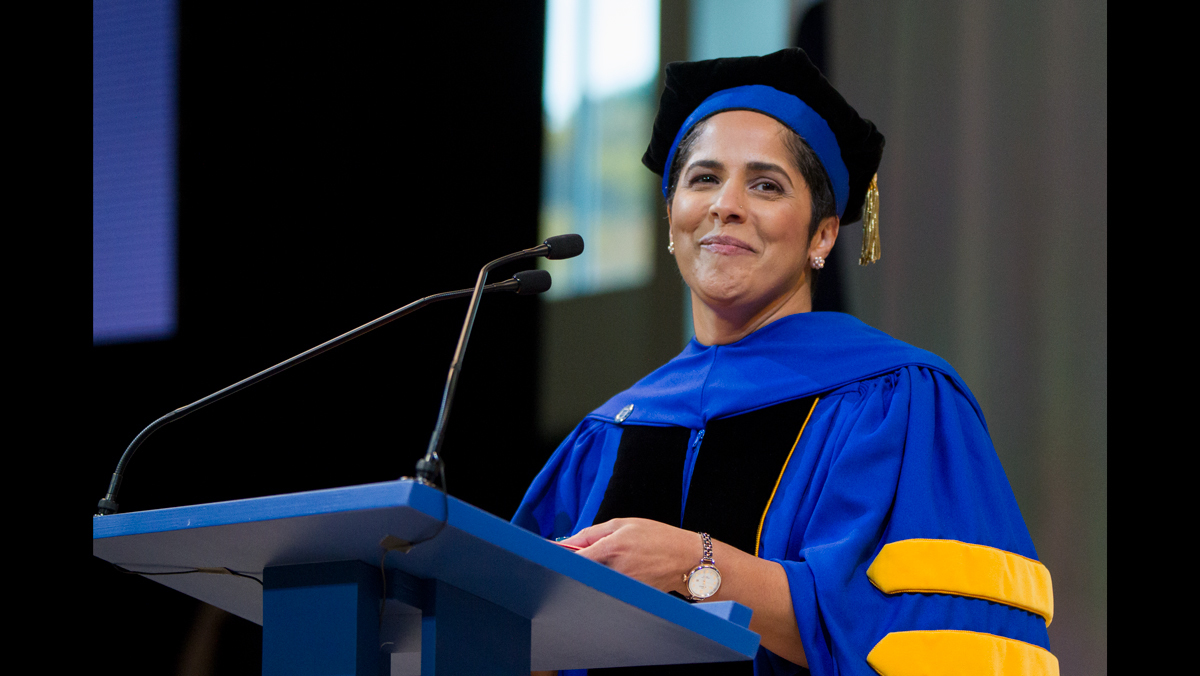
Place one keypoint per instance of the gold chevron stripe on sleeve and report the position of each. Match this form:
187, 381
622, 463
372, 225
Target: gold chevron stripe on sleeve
953, 567
949, 653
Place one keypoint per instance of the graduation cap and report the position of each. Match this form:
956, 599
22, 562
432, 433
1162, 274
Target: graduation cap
786, 86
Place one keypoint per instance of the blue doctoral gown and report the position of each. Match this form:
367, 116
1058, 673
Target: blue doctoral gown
895, 448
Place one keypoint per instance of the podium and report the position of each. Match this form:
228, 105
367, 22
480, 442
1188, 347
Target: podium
482, 596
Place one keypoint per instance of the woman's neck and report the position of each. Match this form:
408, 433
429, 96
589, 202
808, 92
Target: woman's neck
725, 325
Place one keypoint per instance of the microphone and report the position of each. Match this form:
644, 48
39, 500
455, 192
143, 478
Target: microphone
555, 248
563, 246
524, 283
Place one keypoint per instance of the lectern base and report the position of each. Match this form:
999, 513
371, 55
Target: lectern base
323, 619
464, 634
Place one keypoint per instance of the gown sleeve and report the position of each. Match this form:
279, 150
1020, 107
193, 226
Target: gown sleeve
566, 494
905, 461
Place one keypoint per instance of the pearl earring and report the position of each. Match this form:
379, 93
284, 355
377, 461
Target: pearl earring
818, 262
671, 247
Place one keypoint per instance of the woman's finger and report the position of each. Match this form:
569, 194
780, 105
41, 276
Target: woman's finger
592, 534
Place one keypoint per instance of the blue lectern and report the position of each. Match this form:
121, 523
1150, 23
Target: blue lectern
339, 596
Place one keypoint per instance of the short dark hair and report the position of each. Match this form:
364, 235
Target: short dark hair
803, 158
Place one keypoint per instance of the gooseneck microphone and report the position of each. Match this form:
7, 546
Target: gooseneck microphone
526, 282
554, 248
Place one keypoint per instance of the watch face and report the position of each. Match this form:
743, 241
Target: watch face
704, 582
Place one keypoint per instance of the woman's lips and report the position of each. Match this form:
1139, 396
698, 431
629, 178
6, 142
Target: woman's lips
724, 244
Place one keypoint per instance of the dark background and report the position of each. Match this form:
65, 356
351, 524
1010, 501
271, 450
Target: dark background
333, 166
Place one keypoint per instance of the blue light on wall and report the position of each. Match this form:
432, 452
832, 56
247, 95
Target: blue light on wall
133, 170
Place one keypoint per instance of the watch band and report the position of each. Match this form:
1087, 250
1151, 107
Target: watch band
706, 540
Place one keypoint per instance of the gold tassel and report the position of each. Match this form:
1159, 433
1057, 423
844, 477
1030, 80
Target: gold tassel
870, 224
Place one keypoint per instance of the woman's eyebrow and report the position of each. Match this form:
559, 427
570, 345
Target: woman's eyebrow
707, 164
768, 166
765, 166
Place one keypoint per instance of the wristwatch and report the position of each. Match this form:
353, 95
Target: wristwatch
705, 579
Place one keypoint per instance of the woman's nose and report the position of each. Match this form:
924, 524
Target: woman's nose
727, 207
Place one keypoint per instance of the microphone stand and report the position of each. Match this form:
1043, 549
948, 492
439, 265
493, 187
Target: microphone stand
108, 504
554, 248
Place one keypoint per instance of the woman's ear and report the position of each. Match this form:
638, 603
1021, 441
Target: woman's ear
824, 238
669, 238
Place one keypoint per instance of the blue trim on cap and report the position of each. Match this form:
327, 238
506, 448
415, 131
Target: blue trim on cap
789, 110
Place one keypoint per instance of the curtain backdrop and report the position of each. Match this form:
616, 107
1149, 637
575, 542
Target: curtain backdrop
994, 221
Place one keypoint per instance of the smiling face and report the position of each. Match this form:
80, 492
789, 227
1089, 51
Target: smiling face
740, 221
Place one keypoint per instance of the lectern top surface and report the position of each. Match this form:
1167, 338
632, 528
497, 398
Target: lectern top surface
578, 607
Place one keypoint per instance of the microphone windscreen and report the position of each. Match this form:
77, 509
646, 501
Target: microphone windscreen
532, 281
564, 246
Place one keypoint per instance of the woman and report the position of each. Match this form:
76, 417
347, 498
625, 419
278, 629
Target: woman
838, 482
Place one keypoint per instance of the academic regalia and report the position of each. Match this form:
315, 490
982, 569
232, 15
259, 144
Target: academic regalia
859, 463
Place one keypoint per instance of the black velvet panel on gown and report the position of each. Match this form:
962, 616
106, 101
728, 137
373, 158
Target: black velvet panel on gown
738, 463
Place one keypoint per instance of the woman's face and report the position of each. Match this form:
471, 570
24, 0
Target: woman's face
739, 217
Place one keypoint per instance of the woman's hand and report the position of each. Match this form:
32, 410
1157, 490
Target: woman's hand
660, 555
648, 551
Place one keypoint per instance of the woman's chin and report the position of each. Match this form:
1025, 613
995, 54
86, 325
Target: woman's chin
723, 297
736, 295
726, 286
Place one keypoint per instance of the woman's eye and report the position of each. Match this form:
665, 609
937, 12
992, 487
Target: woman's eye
703, 178
768, 186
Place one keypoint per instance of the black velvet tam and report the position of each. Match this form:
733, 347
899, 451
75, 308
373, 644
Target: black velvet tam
689, 83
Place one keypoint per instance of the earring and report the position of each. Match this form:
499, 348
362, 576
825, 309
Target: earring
818, 262
671, 247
